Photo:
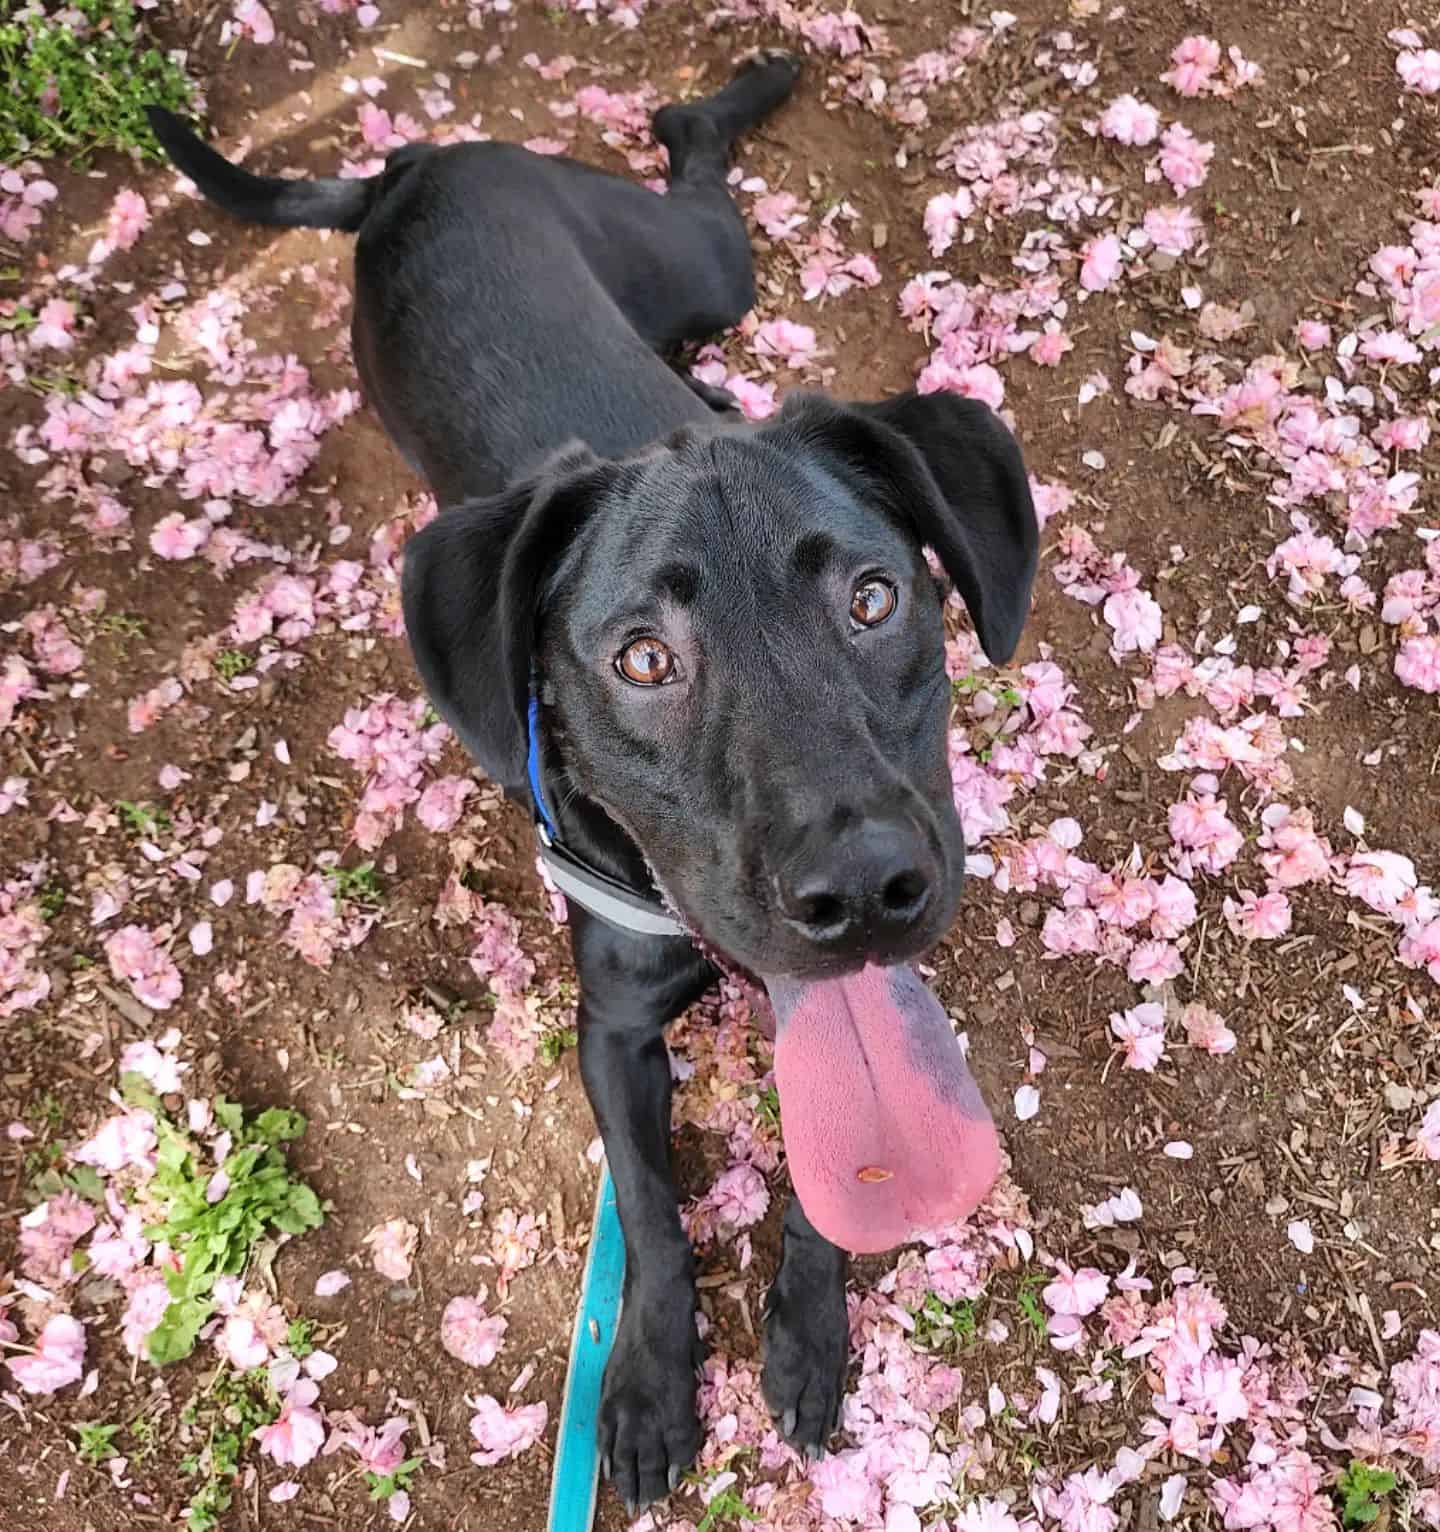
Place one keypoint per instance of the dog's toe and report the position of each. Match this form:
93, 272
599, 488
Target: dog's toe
645, 1468
809, 1423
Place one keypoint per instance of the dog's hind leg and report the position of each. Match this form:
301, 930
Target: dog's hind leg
699, 135
710, 279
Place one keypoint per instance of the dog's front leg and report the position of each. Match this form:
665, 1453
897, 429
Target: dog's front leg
630, 987
807, 1335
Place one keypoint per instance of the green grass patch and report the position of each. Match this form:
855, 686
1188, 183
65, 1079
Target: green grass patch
226, 1416
74, 87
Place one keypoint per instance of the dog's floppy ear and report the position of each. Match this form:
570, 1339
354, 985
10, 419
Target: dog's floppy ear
470, 587
949, 469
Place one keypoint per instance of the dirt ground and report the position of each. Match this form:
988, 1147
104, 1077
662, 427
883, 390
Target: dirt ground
1312, 1118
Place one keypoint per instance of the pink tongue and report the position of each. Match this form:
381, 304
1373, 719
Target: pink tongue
885, 1128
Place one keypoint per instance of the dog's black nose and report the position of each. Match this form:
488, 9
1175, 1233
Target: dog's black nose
862, 890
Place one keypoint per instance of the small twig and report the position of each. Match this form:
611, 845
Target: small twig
129, 1008
1363, 1303
400, 58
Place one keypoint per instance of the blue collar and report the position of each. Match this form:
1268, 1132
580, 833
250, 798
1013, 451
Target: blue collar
543, 817
593, 890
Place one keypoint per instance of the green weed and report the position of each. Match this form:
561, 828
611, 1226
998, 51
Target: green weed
298, 1337
230, 663
727, 1508
382, 1486
214, 1239
555, 1042
142, 818
19, 319
1362, 1488
1027, 1295
359, 883
95, 1442
121, 625
946, 1327
145, 1431
48, 1111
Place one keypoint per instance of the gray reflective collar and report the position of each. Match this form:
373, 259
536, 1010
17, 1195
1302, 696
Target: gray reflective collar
603, 896
594, 891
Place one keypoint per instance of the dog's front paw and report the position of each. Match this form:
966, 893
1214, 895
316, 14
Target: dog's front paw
719, 399
782, 60
807, 1339
649, 1429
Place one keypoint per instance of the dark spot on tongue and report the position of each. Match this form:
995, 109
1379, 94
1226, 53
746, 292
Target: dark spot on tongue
885, 1128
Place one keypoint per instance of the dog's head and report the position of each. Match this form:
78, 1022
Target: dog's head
742, 658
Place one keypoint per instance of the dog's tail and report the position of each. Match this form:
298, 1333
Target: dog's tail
328, 202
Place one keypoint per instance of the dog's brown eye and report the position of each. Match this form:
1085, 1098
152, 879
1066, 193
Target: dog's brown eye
646, 662
872, 603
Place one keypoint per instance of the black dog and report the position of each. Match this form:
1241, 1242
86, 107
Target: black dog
709, 654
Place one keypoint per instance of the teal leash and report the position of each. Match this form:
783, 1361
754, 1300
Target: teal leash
577, 1467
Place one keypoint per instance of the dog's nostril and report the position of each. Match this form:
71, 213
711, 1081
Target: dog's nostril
904, 892
822, 911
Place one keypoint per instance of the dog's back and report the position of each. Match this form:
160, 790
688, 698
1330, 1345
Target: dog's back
486, 331
479, 265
